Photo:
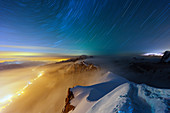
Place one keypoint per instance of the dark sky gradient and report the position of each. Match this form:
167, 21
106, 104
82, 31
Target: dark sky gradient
85, 26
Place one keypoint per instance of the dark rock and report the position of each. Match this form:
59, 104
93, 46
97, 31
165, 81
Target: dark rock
166, 57
68, 107
82, 57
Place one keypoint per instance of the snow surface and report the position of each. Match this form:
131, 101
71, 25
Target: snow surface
117, 95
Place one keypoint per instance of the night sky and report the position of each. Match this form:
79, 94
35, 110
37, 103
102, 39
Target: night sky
85, 26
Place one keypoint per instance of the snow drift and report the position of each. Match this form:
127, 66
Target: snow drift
118, 95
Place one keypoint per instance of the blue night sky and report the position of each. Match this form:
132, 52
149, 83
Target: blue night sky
84, 26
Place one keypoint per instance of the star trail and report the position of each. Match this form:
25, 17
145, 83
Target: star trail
84, 26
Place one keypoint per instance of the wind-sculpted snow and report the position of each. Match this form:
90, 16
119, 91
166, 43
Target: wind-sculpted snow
158, 99
117, 95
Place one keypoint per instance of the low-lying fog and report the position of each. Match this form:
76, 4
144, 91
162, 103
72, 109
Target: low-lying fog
39, 88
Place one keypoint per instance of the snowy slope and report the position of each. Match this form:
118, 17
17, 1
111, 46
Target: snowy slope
117, 95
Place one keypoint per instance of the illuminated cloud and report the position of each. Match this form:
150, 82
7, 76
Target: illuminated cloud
5, 54
36, 51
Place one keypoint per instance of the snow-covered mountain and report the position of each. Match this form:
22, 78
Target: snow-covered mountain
124, 94
117, 95
100, 84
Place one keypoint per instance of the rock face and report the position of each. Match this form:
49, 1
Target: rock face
82, 67
82, 57
68, 107
166, 57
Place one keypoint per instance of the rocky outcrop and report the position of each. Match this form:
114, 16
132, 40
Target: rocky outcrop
166, 57
74, 69
82, 67
82, 57
68, 107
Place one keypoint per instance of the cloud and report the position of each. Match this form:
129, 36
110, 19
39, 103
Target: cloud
39, 49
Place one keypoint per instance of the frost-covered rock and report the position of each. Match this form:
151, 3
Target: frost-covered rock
166, 57
158, 99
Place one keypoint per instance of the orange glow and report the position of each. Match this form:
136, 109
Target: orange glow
10, 54
2, 61
8, 99
43, 59
23, 56
52, 59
